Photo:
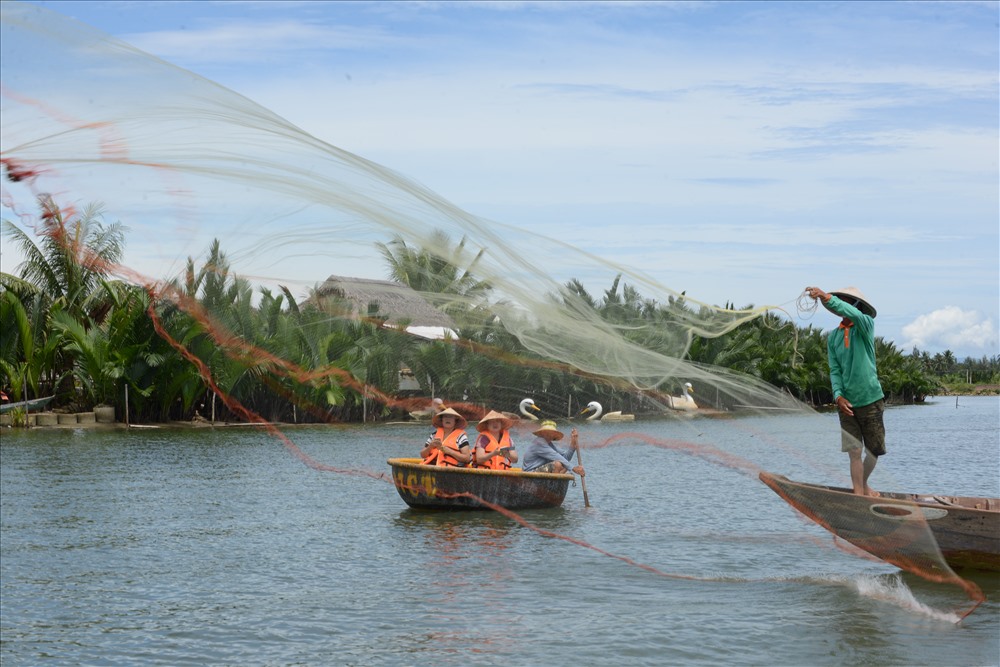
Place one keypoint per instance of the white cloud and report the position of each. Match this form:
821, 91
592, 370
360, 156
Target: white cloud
950, 327
254, 42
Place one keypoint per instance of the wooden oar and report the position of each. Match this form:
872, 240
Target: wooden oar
574, 439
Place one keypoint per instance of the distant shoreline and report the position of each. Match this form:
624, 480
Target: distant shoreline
985, 391
978, 390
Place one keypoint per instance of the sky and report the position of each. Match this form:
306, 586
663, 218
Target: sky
737, 151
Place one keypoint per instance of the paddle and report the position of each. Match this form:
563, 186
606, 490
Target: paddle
574, 440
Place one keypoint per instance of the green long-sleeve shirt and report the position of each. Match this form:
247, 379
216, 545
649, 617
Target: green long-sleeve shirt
853, 373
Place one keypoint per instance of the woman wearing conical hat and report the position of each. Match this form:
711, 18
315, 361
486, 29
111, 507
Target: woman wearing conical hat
494, 448
448, 445
543, 455
854, 377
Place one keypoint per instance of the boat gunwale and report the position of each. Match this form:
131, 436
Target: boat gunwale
32, 404
416, 464
930, 500
966, 536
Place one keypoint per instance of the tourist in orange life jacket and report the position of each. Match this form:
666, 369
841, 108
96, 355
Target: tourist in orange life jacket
494, 448
448, 445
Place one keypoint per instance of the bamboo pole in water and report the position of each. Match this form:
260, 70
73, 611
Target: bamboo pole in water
579, 457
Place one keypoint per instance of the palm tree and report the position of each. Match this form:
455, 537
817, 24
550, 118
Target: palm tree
122, 349
71, 263
66, 271
435, 269
28, 349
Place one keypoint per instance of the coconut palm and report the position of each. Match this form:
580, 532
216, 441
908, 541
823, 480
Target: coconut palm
72, 260
435, 270
28, 348
123, 349
66, 271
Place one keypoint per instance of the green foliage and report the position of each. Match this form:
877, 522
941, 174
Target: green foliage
65, 272
19, 417
68, 328
970, 376
435, 269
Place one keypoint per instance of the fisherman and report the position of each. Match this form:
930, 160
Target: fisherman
854, 378
494, 448
449, 444
543, 455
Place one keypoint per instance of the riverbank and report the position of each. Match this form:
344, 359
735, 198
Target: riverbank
88, 420
972, 390
95, 425
51, 420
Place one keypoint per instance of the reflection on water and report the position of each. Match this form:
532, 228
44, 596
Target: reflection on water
554, 518
483, 538
215, 547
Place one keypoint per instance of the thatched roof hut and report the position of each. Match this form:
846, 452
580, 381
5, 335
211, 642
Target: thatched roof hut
393, 301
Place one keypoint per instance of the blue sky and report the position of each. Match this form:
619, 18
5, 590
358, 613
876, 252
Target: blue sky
738, 151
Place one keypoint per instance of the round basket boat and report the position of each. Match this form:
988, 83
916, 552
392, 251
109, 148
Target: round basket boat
439, 487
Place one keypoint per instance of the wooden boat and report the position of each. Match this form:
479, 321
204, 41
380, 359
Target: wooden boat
27, 406
439, 487
905, 529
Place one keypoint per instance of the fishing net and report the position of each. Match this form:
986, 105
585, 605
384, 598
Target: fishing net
291, 280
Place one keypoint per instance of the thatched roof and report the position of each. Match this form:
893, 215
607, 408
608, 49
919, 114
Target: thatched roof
396, 302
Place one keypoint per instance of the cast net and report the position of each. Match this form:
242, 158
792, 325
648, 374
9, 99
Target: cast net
271, 276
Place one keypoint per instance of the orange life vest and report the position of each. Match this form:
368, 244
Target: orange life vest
497, 462
438, 457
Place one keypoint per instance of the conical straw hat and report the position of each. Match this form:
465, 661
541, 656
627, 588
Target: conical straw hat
549, 426
850, 294
493, 414
460, 421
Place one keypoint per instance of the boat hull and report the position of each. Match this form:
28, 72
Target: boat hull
27, 406
900, 528
438, 487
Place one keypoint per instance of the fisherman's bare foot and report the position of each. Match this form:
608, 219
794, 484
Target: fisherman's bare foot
872, 493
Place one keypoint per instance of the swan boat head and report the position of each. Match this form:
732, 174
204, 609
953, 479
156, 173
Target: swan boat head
528, 404
600, 415
594, 407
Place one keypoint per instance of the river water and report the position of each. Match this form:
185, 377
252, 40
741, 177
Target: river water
219, 547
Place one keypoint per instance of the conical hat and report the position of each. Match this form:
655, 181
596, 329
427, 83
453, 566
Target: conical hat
549, 426
493, 414
460, 421
850, 294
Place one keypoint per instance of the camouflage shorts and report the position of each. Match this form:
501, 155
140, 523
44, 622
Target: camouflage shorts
548, 467
865, 427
